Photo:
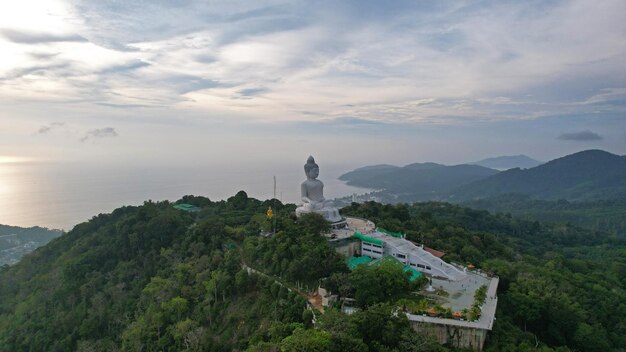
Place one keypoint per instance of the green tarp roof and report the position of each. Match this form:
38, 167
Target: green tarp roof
186, 207
394, 234
414, 273
353, 262
385, 259
368, 238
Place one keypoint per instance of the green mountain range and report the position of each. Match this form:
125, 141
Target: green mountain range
156, 278
420, 180
586, 175
508, 162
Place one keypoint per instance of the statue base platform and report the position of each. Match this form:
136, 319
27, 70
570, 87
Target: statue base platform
330, 214
342, 224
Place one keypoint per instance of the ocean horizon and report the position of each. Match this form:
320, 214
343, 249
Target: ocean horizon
61, 195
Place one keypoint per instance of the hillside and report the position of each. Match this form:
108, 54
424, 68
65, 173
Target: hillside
146, 278
363, 175
16, 241
420, 180
586, 175
603, 215
508, 162
156, 278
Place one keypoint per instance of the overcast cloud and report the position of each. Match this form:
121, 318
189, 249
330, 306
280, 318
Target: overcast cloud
408, 64
106, 132
50, 127
580, 136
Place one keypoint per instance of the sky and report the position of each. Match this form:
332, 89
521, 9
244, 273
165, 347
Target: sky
356, 82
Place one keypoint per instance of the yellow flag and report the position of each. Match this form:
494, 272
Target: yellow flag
270, 213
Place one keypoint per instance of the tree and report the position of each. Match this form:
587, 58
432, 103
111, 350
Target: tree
308, 340
381, 327
382, 283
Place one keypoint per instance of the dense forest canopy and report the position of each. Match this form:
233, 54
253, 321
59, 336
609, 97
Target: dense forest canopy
154, 278
604, 215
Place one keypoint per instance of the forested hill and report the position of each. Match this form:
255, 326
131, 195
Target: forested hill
508, 162
587, 175
154, 278
421, 180
16, 241
604, 215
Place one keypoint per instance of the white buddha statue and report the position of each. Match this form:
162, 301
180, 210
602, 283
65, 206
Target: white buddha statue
312, 191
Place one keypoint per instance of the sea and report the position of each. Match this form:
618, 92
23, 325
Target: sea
61, 195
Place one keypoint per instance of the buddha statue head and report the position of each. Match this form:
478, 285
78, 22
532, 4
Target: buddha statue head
311, 169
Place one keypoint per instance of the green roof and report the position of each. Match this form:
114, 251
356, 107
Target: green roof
368, 238
385, 259
388, 259
353, 262
414, 273
186, 207
394, 234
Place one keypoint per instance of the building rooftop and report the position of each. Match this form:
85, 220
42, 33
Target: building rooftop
353, 262
362, 226
434, 252
440, 267
460, 293
187, 207
461, 297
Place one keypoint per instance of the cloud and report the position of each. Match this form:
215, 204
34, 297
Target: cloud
123, 106
39, 37
62, 67
42, 55
186, 84
106, 132
47, 128
251, 92
586, 135
608, 96
394, 62
355, 121
126, 67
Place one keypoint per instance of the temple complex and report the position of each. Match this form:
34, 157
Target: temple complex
451, 286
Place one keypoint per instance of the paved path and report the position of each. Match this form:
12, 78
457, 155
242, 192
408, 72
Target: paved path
311, 300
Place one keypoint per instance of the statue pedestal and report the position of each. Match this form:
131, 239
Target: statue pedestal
330, 214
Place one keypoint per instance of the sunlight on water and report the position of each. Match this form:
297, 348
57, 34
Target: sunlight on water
62, 195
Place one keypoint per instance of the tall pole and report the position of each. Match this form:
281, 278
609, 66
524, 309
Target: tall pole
274, 204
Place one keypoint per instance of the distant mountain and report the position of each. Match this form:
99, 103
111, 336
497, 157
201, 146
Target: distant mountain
423, 166
508, 162
587, 175
362, 175
420, 180
15, 241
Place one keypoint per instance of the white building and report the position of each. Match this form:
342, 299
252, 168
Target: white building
379, 243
